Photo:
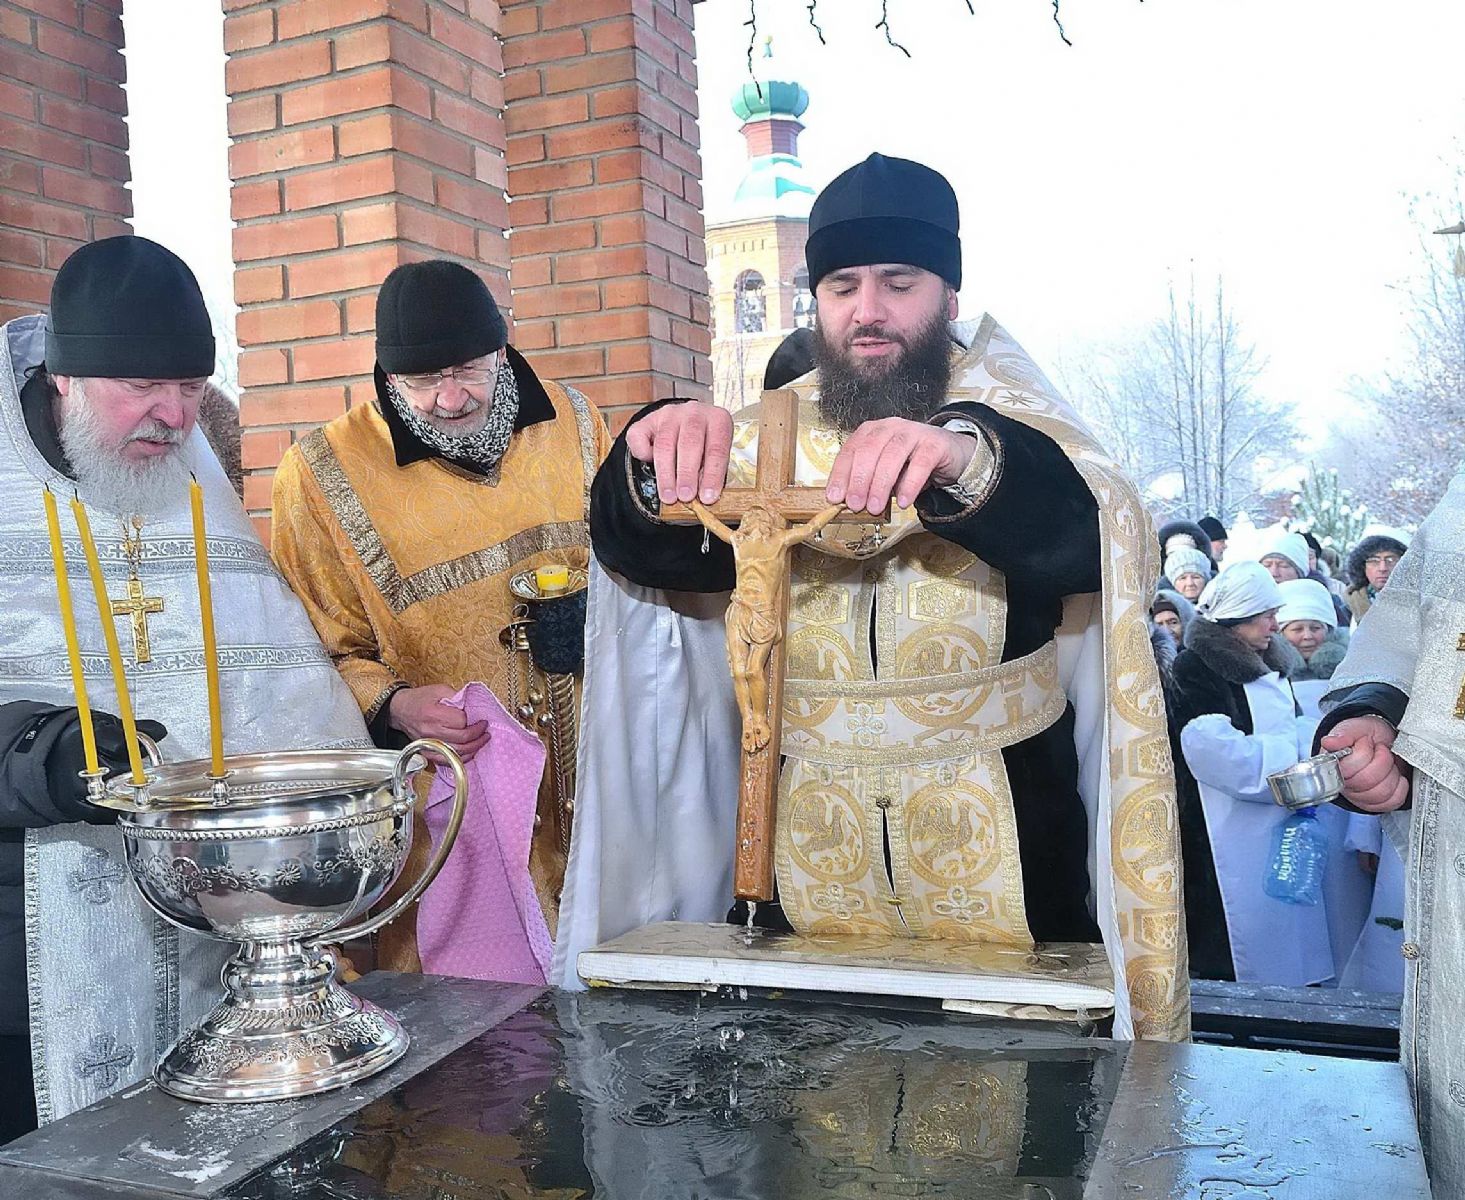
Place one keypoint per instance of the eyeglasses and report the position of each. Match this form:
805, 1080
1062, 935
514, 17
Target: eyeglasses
467, 376
1382, 560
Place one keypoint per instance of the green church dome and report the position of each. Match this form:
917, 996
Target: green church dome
778, 98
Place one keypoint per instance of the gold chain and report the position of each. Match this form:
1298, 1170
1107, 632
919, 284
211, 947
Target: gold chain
132, 543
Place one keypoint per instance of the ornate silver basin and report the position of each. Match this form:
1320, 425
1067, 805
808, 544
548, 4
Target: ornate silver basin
289, 853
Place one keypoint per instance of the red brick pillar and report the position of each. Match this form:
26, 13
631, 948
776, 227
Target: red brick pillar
63, 140
608, 259
366, 133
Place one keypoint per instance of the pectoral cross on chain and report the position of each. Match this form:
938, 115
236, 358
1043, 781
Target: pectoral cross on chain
138, 607
763, 576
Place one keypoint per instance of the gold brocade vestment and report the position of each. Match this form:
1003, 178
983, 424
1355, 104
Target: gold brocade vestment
405, 570
897, 706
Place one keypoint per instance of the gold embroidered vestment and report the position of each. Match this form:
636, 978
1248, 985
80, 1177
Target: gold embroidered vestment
405, 570
897, 705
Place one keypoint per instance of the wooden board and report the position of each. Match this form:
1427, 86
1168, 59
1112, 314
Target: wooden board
683, 954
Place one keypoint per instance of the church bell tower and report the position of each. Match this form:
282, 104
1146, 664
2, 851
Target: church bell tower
755, 260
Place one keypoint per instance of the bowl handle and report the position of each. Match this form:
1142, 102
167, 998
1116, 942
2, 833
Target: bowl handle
400, 773
150, 748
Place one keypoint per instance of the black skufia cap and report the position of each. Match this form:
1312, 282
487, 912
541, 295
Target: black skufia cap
433, 315
885, 210
1213, 528
128, 308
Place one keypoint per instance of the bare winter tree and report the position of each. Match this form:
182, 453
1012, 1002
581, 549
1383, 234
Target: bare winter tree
1180, 409
1404, 458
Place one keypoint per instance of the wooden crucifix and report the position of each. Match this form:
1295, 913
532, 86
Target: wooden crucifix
757, 616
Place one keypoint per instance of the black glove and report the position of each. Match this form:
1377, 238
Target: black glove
67, 760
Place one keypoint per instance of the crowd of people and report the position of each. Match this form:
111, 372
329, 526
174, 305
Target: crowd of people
1246, 646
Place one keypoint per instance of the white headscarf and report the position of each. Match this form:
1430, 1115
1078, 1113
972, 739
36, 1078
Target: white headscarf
1306, 600
1292, 547
1241, 590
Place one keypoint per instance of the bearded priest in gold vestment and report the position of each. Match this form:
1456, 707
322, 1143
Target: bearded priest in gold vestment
974, 744
401, 523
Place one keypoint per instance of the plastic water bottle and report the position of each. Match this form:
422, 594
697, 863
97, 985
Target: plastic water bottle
1299, 858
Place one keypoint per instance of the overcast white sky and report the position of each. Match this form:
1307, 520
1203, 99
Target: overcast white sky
1277, 143
1274, 142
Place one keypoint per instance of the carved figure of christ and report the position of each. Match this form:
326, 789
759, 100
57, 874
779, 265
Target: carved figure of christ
758, 615
761, 554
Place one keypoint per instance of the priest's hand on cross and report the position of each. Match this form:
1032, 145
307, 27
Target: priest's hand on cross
689, 444
896, 458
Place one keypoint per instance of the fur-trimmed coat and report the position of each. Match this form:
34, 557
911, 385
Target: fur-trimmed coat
1358, 596
1218, 687
1208, 677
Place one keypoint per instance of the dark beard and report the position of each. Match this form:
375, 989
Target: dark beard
914, 387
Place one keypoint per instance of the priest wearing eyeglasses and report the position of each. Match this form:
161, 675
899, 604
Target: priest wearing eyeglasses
400, 523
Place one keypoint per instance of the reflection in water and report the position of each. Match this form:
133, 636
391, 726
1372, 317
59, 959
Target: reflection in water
652, 1096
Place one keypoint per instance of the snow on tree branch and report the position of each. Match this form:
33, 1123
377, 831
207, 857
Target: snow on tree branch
1178, 407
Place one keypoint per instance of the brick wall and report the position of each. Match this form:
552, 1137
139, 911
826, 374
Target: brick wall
63, 140
366, 133
607, 242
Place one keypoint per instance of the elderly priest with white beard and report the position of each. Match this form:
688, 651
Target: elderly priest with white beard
99, 400
974, 744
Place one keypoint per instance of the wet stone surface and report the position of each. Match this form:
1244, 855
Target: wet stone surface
624, 1095
657, 1094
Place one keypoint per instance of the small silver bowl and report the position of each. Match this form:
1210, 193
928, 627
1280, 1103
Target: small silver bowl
1311, 782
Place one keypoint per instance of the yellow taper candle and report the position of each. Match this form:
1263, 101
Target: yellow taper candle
68, 626
210, 647
114, 651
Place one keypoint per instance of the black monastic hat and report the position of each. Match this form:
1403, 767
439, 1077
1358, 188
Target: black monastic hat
128, 308
885, 210
433, 315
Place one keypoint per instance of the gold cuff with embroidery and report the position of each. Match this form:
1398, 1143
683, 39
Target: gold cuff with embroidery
975, 484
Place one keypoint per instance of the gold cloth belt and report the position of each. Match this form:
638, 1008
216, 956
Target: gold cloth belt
914, 765
909, 721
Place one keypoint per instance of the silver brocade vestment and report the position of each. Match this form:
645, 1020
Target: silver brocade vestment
111, 986
1411, 640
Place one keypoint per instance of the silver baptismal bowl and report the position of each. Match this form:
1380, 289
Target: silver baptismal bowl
1311, 782
286, 854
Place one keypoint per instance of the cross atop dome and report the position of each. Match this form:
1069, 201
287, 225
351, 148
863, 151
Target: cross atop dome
770, 105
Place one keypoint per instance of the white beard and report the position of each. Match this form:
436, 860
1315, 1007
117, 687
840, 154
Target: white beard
145, 487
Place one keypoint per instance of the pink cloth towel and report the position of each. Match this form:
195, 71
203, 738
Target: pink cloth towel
481, 918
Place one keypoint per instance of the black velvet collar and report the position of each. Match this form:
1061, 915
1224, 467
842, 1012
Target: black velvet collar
37, 407
534, 406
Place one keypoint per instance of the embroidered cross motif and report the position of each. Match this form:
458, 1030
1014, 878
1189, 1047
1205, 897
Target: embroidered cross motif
104, 1059
96, 878
138, 607
1460, 699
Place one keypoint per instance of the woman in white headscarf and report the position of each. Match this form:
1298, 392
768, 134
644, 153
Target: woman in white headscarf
1235, 721
1308, 620
1310, 626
